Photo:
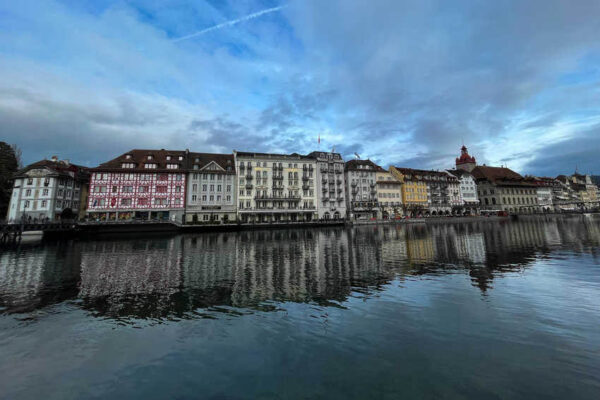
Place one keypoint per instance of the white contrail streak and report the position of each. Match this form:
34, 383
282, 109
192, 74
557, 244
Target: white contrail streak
229, 23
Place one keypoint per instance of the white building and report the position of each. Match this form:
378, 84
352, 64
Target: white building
45, 189
276, 187
331, 187
361, 189
211, 188
468, 191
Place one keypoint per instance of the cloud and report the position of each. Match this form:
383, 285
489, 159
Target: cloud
399, 82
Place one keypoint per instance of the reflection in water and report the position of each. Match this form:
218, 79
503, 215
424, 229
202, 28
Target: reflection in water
179, 275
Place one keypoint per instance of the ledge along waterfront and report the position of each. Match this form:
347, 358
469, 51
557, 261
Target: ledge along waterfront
474, 309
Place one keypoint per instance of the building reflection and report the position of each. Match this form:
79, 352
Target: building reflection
157, 277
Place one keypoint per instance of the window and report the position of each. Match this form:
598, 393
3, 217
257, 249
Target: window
195, 187
204, 188
212, 197
143, 189
46, 181
127, 189
150, 166
26, 203
150, 157
194, 197
205, 217
163, 177
44, 203
177, 202
161, 189
127, 165
219, 188
229, 188
228, 197
168, 158
28, 192
30, 181
126, 202
177, 189
45, 192
212, 188
203, 197
218, 197
114, 189
160, 201
143, 202
172, 166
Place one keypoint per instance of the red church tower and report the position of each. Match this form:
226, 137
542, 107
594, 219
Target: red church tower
465, 161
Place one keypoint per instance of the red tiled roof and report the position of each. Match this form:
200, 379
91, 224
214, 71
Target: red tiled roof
59, 167
140, 158
499, 176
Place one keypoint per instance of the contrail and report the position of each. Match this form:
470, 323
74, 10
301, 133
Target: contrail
229, 23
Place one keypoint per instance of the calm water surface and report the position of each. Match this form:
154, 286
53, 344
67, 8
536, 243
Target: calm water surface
483, 310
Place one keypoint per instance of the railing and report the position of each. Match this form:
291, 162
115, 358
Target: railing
276, 197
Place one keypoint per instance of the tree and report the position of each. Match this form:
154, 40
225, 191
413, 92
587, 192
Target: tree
9, 164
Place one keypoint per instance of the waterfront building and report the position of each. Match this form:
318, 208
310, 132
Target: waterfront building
584, 190
468, 192
502, 189
414, 190
389, 193
465, 162
211, 188
544, 190
48, 190
331, 202
140, 184
361, 189
276, 187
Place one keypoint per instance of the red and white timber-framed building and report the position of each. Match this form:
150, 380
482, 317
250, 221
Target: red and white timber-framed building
140, 184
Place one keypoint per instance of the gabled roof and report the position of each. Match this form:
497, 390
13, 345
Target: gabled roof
58, 167
199, 161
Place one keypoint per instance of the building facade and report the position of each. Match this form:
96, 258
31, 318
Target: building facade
211, 188
468, 192
140, 184
414, 190
584, 191
501, 189
389, 194
48, 190
361, 189
276, 187
331, 186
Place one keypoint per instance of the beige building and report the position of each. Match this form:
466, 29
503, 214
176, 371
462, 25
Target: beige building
389, 193
501, 189
276, 187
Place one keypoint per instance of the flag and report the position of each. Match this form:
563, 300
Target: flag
357, 156
319, 140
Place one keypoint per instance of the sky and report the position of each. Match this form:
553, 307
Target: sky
402, 83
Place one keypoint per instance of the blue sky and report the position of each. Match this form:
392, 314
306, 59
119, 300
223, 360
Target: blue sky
400, 82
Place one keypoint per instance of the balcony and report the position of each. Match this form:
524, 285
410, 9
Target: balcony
305, 187
340, 199
248, 186
353, 184
277, 197
249, 177
338, 171
338, 181
305, 177
277, 177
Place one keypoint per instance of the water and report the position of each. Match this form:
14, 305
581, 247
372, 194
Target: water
484, 310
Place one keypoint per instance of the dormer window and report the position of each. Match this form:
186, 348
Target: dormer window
197, 159
150, 166
172, 166
128, 156
168, 158
127, 165
150, 157
195, 166
180, 158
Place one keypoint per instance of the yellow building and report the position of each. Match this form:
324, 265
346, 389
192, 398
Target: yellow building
389, 193
414, 190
